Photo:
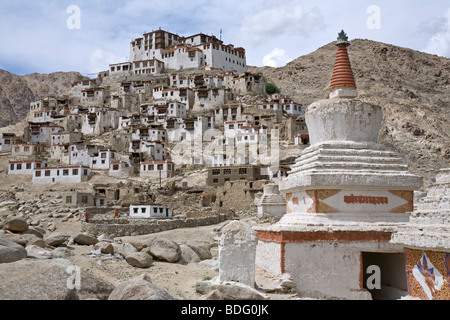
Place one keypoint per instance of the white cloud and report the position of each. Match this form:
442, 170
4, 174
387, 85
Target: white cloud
276, 58
100, 59
439, 43
281, 20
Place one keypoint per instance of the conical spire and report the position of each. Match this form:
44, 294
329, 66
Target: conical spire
342, 74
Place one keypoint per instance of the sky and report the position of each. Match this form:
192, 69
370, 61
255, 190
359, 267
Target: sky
46, 36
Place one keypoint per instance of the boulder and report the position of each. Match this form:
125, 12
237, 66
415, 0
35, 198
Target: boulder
201, 248
147, 242
139, 259
188, 255
17, 238
228, 290
93, 288
11, 251
38, 232
8, 203
37, 280
165, 249
104, 247
85, 239
56, 239
62, 252
139, 289
124, 249
36, 252
36, 241
15, 224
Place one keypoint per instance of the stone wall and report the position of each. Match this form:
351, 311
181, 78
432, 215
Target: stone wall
119, 227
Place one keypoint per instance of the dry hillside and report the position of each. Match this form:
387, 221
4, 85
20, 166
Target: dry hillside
412, 87
16, 92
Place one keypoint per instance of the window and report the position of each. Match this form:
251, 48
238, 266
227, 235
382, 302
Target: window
116, 167
75, 172
38, 173
68, 199
226, 171
216, 172
19, 166
135, 210
85, 172
215, 180
155, 210
65, 172
11, 166
47, 173
143, 210
84, 199
242, 170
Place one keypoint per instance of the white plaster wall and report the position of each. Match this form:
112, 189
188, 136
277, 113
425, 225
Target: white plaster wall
274, 210
60, 178
268, 257
325, 270
343, 119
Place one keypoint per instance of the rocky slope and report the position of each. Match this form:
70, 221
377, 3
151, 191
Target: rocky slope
16, 92
412, 87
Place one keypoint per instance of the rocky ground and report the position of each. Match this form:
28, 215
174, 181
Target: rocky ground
34, 218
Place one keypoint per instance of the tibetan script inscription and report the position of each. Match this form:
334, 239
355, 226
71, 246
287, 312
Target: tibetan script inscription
365, 200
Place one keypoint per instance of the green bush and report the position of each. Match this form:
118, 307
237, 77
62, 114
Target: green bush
271, 88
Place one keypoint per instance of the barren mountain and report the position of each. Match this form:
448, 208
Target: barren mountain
412, 87
16, 92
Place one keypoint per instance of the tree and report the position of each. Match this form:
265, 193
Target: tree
271, 88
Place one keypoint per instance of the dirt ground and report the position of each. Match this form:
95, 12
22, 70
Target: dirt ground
178, 279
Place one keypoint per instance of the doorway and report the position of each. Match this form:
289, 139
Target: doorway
392, 276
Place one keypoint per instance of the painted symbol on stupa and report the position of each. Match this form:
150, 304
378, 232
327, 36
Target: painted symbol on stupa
430, 279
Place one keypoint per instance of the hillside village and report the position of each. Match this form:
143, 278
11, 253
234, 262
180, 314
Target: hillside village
134, 122
181, 161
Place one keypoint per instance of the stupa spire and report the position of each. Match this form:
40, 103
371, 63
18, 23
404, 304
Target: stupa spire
343, 83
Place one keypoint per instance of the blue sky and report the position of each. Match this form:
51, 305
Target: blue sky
35, 37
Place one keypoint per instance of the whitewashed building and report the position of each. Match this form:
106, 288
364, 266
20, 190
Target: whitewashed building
41, 132
8, 139
252, 134
65, 137
101, 160
120, 69
120, 169
25, 166
178, 53
155, 150
150, 211
25, 149
63, 174
157, 169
